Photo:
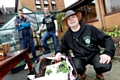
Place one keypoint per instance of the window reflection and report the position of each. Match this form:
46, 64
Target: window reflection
38, 5
88, 12
46, 3
53, 3
112, 5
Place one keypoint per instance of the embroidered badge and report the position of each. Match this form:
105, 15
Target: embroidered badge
87, 40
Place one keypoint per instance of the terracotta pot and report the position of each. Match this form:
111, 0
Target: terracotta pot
1, 52
5, 47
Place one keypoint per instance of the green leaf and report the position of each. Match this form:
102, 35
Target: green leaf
63, 67
48, 71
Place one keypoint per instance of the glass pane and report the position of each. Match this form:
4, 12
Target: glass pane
53, 2
88, 12
38, 6
112, 5
39, 17
37, 2
11, 37
45, 2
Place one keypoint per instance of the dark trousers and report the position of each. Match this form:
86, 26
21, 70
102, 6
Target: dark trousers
26, 42
80, 64
47, 36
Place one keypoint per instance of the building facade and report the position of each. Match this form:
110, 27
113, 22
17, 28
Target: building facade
38, 5
100, 13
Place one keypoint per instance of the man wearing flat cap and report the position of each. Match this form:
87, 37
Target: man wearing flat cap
85, 42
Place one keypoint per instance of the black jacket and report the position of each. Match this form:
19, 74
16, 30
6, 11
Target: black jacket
88, 42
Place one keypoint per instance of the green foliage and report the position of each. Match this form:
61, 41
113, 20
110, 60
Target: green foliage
113, 32
59, 18
48, 71
20, 64
101, 50
63, 67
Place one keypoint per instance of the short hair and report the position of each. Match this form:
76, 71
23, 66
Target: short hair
20, 10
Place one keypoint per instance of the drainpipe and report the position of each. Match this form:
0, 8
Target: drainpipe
16, 5
100, 15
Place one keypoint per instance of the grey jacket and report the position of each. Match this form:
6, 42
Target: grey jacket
17, 21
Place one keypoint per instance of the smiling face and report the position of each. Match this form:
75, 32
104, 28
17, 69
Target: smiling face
73, 21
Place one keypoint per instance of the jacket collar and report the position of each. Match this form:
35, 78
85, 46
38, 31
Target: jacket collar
19, 17
23, 18
82, 28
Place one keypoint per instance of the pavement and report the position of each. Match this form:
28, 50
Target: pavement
113, 74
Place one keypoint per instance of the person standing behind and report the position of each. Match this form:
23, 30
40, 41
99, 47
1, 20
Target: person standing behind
25, 34
52, 30
84, 41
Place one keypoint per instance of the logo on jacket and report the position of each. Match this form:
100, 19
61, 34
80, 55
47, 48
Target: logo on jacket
87, 40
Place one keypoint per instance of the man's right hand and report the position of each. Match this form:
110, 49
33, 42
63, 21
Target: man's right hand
58, 56
38, 32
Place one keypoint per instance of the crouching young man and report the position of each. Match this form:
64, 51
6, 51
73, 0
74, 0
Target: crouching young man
84, 41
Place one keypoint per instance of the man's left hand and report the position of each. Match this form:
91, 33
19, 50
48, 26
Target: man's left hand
104, 58
56, 33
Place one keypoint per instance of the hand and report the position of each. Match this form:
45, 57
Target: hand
38, 32
104, 58
58, 56
56, 33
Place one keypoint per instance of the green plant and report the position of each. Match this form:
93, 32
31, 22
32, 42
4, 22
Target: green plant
114, 31
48, 71
20, 64
60, 17
63, 67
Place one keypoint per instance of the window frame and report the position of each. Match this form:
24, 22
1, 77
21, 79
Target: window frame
106, 14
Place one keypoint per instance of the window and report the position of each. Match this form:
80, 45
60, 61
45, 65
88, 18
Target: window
112, 6
53, 4
46, 3
37, 2
38, 8
88, 12
38, 5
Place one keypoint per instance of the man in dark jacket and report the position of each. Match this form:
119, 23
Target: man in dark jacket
25, 35
84, 41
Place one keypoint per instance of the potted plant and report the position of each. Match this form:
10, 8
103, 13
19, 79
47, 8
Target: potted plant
60, 17
114, 32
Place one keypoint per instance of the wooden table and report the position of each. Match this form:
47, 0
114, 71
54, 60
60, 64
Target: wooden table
15, 57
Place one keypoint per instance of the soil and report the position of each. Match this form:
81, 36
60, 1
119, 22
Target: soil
117, 44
